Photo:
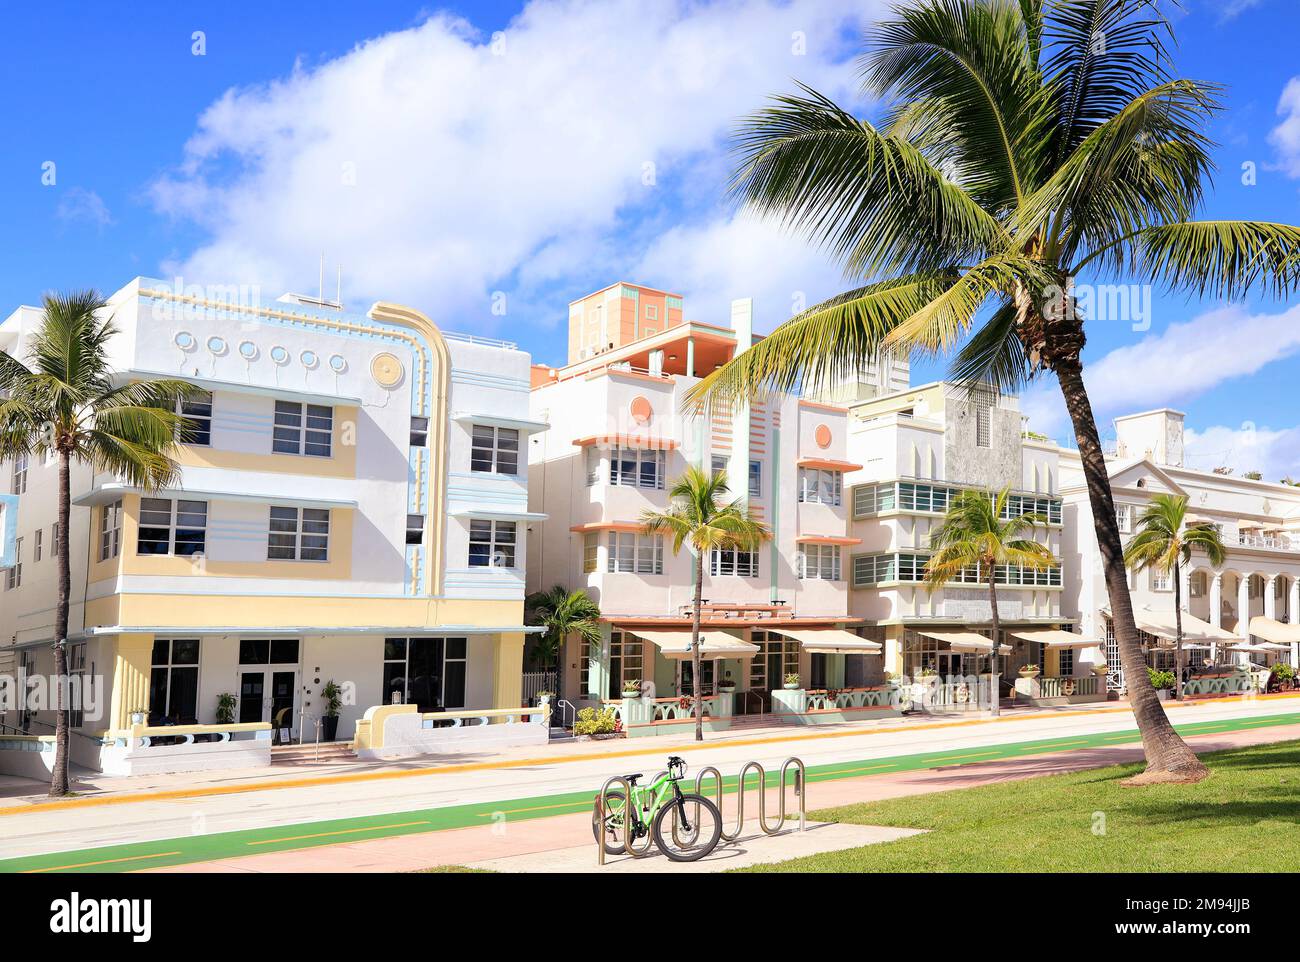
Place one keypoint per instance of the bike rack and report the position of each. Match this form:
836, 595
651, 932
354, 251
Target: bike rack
709, 771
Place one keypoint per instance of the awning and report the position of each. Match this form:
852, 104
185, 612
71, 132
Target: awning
830, 641
1161, 624
675, 643
1056, 638
966, 641
1263, 647
1270, 629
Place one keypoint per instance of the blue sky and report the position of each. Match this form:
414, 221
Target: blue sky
465, 156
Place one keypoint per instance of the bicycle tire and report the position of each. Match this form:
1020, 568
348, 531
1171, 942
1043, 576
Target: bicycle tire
619, 848
698, 852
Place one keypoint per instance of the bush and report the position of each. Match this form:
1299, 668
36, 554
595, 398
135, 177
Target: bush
1162, 679
1283, 672
591, 721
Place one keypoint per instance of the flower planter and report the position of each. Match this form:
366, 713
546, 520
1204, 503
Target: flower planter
791, 687
329, 728
1163, 694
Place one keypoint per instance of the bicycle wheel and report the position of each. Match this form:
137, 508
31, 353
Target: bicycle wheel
615, 806
693, 840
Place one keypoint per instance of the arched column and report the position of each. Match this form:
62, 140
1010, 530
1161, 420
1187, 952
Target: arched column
1243, 605
1216, 599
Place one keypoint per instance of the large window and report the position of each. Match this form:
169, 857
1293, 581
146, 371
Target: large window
910, 567
298, 535
639, 553
626, 661
926, 498
197, 412
19, 485
1124, 517
172, 527
777, 656
14, 576
427, 672
636, 468
303, 429
174, 682
268, 651
77, 685
819, 561
1161, 581
819, 485
491, 544
729, 561
495, 450
590, 553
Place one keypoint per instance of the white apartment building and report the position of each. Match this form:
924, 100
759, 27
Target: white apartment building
1246, 610
352, 508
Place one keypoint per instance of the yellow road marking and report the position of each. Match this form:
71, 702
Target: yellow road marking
345, 831
107, 861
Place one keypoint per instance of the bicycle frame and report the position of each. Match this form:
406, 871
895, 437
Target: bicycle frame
657, 794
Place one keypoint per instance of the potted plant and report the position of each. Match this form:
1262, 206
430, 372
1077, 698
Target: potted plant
1282, 677
333, 696
792, 680
1163, 682
138, 715
1100, 668
632, 688
727, 685
1029, 671
225, 708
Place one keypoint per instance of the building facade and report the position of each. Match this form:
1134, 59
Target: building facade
352, 506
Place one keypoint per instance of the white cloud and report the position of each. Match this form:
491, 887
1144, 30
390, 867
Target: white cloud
1235, 8
1181, 362
1285, 137
1275, 453
437, 165
80, 205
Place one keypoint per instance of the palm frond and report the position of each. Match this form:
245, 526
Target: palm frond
995, 354
1222, 259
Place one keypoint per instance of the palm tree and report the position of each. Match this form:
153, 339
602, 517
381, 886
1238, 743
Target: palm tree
698, 515
1028, 144
974, 535
63, 402
563, 613
1164, 542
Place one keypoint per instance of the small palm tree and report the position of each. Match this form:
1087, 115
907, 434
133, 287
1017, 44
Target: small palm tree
697, 515
63, 402
1164, 542
563, 613
974, 534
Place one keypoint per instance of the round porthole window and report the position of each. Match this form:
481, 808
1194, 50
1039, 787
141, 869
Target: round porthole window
248, 351
338, 364
217, 345
184, 340
280, 355
309, 359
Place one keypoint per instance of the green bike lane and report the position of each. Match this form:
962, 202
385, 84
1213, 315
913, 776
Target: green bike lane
183, 850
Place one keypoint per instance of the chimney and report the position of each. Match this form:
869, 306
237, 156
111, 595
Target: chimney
1157, 435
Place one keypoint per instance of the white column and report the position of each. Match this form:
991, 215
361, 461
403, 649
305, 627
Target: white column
1216, 599
1185, 588
1270, 598
1243, 606
1293, 610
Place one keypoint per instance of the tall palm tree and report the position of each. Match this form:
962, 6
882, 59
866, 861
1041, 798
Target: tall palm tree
563, 613
699, 516
63, 402
1029, 143
1164, 542
977, 533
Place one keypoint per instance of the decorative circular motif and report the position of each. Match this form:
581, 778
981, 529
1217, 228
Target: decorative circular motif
248, 350
823, 436
640, 410
962, 694
217, 345
184, 340
309, 359
386, 369
1067, 687
338, 364
280, 355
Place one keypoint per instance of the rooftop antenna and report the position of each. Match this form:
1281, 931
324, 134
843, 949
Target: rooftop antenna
320, 290
338, 291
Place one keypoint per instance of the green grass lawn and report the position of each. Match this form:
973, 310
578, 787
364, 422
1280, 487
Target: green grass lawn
1244, 818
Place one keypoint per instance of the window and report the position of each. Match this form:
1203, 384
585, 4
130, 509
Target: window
491, 544
586, 653
639, 553
1256, 587
1066, 665
415, 529
919, 497
77, 685
983, 400
174, 682
14, 576
590, 554
197, 412
728, 561
54, 538
910, 567
1197, 584
1160, 580
37, 537
110, 531
1124, 517
428, 672
591, 462
172, 527
298, 535
303, 429
755, 479
19, 485
268, 651
495, 450
820, 486
776, 657
718, 464
419, 432
635, 468
819, 561
626, 661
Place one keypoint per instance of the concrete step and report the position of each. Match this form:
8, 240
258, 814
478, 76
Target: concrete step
308, 754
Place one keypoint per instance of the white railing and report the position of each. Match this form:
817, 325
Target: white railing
480, 339
1056, 687
539, 681
1280, 541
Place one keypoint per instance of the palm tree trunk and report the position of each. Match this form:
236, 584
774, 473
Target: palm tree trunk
59, 777
696, 660
997, 634
1168, 757
1178, 633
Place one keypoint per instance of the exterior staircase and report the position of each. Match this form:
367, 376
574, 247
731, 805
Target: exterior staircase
302, 755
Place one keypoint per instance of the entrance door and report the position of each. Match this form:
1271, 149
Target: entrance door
283, 684
252, 697
264, 694
950, 663
686, 685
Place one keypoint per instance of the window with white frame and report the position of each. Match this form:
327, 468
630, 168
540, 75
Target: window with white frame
1065, 667
110, 531
1161, 580
755, 479
172, 527
427, 672
1256, 587
819, 561
298, 534
14, 576
718, 464
197, 412
54, 539
821, 485
19, 485
590, 552
38, 537
306, 429
729, 561
1197, 584
630, 551
626, 661
494, 450
77, 684
491, 544
1124, 517
634, 467
591, 464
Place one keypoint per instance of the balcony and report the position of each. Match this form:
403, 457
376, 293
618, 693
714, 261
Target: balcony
1275, 542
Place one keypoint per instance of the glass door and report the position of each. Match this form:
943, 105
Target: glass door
252, 696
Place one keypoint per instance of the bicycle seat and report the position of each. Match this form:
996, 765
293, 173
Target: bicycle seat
631, 779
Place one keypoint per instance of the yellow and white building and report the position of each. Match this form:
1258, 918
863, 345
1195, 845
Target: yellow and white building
354, 508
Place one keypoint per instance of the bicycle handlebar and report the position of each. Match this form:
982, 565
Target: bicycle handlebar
676, 762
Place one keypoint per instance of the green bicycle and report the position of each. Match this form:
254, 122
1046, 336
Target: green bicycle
685, 826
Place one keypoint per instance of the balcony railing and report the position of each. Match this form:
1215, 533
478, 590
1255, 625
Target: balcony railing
1280, 542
